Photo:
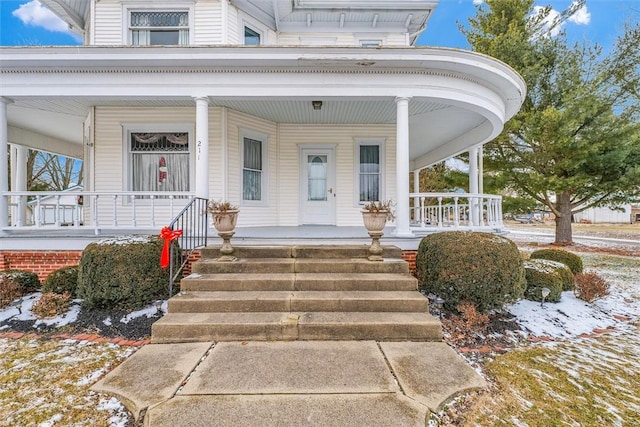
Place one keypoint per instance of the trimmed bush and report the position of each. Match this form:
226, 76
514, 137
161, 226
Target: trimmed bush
540, 274
51, 304
27, 281
571, 260
9, 291
62, 280
590, 286
122, 273
481, 268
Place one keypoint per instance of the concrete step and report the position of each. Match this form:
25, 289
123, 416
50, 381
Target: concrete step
300, 301
245, 265
351, 265
299, 281
239, 282
301, 251
355, 282
191, 327
301, 265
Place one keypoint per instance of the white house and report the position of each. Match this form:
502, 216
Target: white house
298, 111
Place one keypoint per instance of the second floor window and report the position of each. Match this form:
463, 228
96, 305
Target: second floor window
251, 37
159, 28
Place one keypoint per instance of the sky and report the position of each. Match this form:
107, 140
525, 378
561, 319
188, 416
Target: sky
26, 22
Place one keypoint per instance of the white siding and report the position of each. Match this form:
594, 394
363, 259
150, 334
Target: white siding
342, 136
338, 39
108, 25
233, 34
208, 22
605, 215
110, 165
252, 215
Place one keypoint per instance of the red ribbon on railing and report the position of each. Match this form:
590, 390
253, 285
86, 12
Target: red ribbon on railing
168, 235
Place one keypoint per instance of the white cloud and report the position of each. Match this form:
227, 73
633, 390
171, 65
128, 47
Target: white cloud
35, 14
477, 2
581, 17
550, 21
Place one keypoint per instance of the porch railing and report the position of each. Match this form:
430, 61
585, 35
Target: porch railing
193, 221
456, 210
93, 209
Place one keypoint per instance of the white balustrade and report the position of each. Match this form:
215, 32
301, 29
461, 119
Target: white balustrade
95, 210
456, 210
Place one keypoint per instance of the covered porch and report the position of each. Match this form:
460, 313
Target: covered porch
418, 106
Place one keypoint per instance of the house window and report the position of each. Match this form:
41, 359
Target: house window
253, 168
370, 155
159, 161
150, 28
370, 43
251, 37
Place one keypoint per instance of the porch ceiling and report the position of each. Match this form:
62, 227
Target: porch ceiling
431, 123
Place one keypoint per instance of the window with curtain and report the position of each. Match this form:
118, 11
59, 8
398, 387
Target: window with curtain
159, 28
252, 169
159, 161
369, 172
251, 37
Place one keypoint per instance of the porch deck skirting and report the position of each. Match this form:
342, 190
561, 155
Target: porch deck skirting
44, 263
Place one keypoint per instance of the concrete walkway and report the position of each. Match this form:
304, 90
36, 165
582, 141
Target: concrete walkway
290, 383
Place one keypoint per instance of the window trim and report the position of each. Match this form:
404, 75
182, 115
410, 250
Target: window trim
264, 183
361, 38
152, 6
254, 25
129, 128
358, 142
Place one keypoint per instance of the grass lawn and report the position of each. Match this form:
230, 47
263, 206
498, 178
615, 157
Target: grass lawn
46, 382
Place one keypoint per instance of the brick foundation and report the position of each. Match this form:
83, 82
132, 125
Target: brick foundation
44, 262
410, 257
40, 262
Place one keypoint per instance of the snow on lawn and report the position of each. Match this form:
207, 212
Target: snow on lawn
46, 382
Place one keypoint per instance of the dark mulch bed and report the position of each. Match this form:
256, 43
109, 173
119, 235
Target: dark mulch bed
91, 321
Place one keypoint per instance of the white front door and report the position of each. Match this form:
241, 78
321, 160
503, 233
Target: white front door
317, 186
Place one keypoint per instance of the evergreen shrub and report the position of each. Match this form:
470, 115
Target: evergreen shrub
122, 273
62, 280
481, 268
571, 260
27, 281
541, 273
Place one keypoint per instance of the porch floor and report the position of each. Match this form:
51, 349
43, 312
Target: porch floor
69, 238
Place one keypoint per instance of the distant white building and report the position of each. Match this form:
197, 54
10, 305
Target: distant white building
607, 215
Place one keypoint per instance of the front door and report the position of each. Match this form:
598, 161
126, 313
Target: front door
317, 186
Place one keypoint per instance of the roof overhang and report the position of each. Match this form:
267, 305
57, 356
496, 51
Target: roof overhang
458, 98
73, 12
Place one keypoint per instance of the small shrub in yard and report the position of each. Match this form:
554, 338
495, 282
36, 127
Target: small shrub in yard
571, 260
540, 274
480, 268
122, 273
9, 290
62, 280
27, 281
590, 286
51, 304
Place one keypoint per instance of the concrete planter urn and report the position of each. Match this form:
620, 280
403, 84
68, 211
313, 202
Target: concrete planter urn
224, 217
375, 216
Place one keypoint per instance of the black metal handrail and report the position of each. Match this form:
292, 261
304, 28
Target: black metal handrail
193, 221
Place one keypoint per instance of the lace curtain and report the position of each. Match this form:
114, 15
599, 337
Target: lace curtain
160, 161
159, 28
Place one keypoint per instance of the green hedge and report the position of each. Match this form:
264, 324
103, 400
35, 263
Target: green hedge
481, 268
540, 274
571, 260
27, 281
62, 280
122, 273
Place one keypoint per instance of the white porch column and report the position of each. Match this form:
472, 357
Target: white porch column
202, 147
21, 183
481, 169
473, 185
416, 189
402, 168
4, 162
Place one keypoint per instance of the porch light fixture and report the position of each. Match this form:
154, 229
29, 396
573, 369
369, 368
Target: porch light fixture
545, 294
317, 105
